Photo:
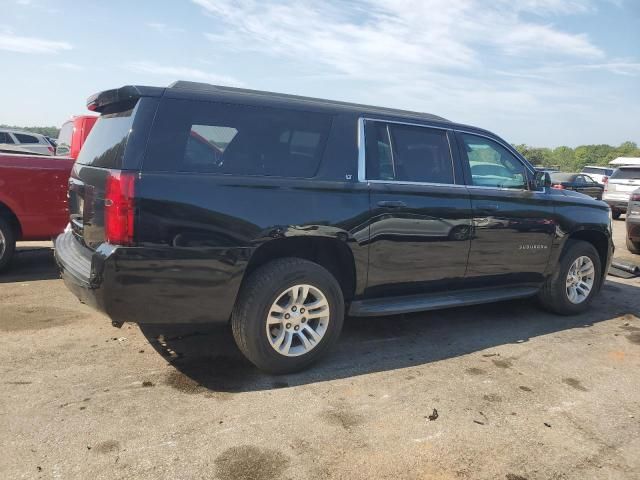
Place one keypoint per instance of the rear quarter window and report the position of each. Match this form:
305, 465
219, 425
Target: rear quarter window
106, 143
226, 139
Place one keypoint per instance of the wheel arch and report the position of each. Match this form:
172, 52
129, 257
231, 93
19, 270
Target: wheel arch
12, 218
331, 253
597, 238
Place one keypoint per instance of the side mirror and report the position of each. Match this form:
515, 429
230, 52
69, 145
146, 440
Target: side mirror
541, 180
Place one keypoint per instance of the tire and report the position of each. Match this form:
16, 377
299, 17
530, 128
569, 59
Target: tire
7, 243
633, 247
554, 294
615, 214
258, 296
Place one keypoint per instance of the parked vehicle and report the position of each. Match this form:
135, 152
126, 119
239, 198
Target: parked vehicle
619, 187
30, 142
577, 182
599, 174
301, 209
33, 199
73, 134
633, 222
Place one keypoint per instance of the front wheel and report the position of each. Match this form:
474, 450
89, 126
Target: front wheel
7, 243
288, 314
570, 289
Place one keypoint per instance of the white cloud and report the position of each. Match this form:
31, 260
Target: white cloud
69, 66
382, 38
180, 73
163, 28
20, 44
469, 60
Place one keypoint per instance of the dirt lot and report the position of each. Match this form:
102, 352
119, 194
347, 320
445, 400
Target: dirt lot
494, 392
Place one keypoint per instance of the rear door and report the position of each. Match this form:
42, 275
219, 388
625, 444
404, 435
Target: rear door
513, 225
420, 213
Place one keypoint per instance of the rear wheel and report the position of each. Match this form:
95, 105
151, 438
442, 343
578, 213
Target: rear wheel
616, 214
7, 243
570, 289
633, 247
288, 314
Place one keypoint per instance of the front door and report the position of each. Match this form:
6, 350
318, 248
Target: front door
513, 225
420, 214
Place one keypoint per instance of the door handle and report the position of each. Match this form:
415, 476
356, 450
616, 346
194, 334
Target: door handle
392, 204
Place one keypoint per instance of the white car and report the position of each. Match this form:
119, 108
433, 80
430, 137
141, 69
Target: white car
599, 174
619, 187
27, 141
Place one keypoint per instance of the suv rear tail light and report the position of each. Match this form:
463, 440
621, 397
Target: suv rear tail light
119, 208
635, 197
558, 186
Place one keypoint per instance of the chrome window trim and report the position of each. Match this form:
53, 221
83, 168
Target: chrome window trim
362, 153
361, 150
406, 182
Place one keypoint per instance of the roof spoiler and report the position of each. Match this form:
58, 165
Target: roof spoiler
129, 93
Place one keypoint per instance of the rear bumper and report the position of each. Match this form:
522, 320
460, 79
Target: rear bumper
77, 269
617, 201
152, 285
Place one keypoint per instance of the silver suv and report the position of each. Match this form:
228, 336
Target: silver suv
619, 187
25, 142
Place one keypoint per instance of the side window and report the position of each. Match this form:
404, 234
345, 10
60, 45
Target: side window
64, 139
5, 138
588, 179
208, 137
22, 138
491, 164
580, 180
407, 153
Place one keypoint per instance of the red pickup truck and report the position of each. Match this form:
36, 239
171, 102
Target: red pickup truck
33, 189
33, 199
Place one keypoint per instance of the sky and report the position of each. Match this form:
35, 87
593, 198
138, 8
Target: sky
540, 72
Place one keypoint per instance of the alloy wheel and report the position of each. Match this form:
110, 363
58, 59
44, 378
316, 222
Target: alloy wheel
298, 320
580, 279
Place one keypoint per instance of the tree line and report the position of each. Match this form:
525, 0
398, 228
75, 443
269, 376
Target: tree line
569, 159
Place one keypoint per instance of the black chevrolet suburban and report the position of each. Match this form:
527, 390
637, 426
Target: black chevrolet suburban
280, 214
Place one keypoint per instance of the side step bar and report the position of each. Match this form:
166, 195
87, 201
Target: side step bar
434, 301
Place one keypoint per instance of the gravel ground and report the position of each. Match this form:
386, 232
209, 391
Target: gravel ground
500, 391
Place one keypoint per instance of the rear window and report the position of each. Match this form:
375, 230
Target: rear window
105, 144
597, 170
562, 177
626, 173
207, 137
